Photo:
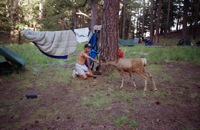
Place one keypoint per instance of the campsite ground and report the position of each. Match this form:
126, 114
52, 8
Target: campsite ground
67, 103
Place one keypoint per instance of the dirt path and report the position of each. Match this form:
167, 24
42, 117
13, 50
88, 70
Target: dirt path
66, 103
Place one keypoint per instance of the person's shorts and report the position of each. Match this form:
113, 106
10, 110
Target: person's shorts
81, 69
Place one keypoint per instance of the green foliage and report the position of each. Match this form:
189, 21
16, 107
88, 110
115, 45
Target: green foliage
4, 23
61, 15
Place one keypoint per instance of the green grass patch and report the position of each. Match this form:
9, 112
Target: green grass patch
97, 100
127, 97
132, 123
169, 42
121, 120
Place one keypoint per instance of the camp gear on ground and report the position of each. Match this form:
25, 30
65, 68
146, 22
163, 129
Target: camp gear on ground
12, 61
128, 42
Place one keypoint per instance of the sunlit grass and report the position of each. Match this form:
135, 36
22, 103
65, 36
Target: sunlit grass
33, 56
155, 54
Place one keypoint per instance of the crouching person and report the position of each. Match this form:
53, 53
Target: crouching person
80, 68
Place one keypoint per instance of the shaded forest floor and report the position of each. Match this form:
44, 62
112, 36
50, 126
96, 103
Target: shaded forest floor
68, 103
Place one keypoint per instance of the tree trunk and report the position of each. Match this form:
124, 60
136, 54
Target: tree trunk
109, 43
196, 20
63, 23
134, 28
185, 15
177, 24
168, 15
75, 18
137, 27
130, 28
158, 21
151, 20
41, 10
121, 24
19, 37
124, 19
93, 15
12, 21
143, 17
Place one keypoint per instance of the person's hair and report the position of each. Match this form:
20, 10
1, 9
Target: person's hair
87, 46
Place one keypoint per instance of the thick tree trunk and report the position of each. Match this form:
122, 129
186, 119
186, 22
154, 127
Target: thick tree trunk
93, 14
168, 15
109, 43
158, 21
151, 20
185, 15
143, 17
124, 19
196, 20
121, 24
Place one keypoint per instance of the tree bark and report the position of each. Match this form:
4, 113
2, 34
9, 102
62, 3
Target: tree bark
19, 37
12, 20
137, 27
124, 19
158, 21
130, 28
109, 43
185, 16
168, 15
75, 18
196, 20
93, 15
121, 24
177, 24
151, 21
41, 10
143, 17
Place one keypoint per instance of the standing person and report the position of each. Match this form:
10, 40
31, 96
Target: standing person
80, 68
